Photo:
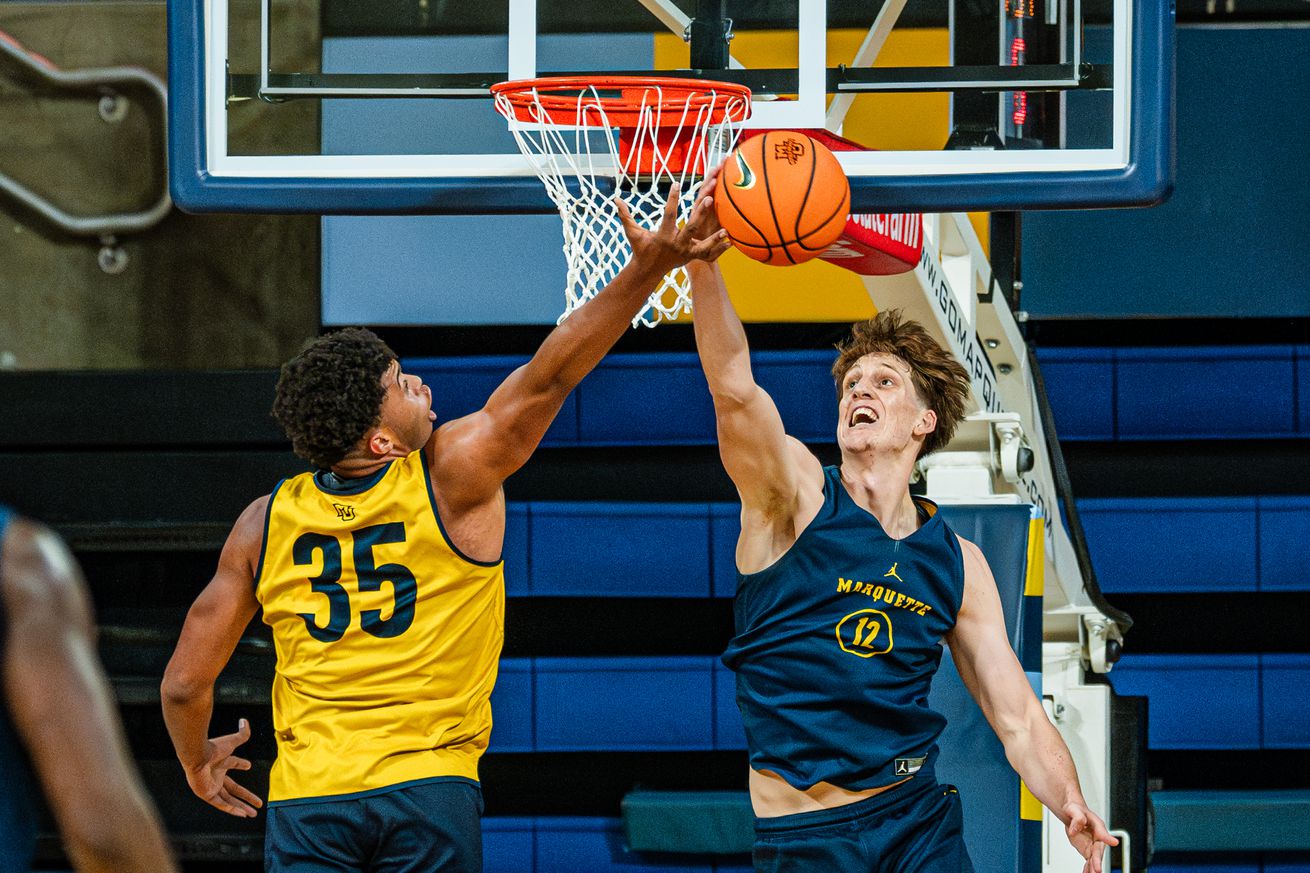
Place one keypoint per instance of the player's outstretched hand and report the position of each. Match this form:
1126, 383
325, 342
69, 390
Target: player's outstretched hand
1088, 834
210, 780
669, 246
710, 221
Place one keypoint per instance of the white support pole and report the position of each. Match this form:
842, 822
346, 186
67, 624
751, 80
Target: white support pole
522, 39
864, 57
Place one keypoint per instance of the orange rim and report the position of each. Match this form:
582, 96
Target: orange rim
675, 97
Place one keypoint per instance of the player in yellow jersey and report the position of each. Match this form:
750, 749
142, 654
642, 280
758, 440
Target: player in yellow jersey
381, 577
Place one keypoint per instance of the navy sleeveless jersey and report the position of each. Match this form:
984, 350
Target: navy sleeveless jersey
17, 806
836, 645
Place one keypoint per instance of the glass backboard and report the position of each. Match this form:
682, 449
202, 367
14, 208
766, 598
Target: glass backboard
333, 106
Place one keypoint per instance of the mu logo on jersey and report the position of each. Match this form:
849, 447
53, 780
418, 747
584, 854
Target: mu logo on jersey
345, 513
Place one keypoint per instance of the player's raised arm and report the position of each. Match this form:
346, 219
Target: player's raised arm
212, 630
481, 450
63, 710
763, 462
996, 680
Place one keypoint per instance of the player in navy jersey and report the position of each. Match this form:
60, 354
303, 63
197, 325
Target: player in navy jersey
847, 585
58, 729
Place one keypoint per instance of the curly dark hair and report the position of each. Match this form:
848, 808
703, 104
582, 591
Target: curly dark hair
330, 394
941, 382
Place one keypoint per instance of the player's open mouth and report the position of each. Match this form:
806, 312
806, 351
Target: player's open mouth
863, 415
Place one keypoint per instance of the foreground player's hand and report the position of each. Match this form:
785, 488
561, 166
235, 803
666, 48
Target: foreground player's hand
1087, 834
669, 246
710, 222
210, 780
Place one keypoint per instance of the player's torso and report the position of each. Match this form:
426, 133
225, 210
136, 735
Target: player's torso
387, 638
17, 802
836, 644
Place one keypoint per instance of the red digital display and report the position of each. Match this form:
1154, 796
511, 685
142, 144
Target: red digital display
1019, 99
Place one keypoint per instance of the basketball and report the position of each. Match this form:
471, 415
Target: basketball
782, 198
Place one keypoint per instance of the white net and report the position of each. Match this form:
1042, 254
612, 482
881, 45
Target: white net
577, 154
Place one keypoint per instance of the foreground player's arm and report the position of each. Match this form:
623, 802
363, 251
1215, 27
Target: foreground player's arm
213, 628
481, 450
64, 711
996, 680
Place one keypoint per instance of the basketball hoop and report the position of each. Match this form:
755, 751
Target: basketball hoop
668, 131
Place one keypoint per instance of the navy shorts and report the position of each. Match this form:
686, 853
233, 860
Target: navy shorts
913, 828
430, 827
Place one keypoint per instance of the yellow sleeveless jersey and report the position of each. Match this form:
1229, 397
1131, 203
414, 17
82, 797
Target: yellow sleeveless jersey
387, 638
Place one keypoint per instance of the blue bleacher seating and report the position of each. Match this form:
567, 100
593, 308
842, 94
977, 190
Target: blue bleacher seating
625, 550
1197, 701
512, 706
1198, 544
1172, 544
1284, 529
1096, 394
1303, 389
1080, 387
630, 703
1226, 392
1285, 701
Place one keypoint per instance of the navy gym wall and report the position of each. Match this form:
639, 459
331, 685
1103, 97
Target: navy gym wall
1231, 239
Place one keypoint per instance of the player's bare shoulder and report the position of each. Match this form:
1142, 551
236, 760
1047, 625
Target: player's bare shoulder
246, 540
975, 562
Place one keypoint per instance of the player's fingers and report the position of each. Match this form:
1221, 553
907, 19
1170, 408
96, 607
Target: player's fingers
712, 177
625, 215
1101, 832
234, 763
1077, 822
1098, 853
721, 246
711, 247
710, 184
241, 806
700, 214
224, 745
242, 793
223, 801
670, 221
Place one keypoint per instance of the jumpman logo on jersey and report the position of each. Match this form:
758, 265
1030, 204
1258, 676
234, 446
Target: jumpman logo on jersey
892, 572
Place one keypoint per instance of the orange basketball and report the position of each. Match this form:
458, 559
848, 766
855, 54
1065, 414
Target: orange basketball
782, 198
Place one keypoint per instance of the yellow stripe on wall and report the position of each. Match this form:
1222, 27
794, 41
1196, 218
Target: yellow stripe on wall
1030, 808
819, 291
1035, 583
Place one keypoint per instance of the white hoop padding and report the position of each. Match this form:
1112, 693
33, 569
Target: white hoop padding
579, 161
